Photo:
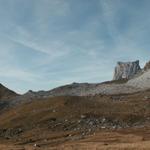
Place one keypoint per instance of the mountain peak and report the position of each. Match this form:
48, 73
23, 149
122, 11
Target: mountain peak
126, 70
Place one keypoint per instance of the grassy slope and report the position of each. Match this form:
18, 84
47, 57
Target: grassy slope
129, 108
38, 118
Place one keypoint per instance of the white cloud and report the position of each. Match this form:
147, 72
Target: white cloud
54, 49
70, 47
19, 74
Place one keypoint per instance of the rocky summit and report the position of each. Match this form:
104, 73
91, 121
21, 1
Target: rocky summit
126, 70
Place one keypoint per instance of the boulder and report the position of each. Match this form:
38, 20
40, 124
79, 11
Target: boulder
126, 70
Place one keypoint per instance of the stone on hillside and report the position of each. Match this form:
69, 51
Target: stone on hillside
126, 70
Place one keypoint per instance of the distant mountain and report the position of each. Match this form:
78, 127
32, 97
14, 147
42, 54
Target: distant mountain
139, 80
6, 93
130, 78
83, 89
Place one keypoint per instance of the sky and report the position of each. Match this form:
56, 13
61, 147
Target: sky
48, 43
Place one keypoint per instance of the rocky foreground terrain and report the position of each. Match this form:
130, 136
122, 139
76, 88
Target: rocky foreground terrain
104, 116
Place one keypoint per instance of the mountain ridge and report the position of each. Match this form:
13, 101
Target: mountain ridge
76, 112
119, 86
139, 81
6, 93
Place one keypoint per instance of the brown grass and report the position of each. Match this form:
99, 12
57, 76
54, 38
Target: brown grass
33, 117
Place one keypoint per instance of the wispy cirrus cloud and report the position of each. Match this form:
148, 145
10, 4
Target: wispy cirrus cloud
45, 43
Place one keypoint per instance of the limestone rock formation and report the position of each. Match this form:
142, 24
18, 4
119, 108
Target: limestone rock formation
126, 70
147, 66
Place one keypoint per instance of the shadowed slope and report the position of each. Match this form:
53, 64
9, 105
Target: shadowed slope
6, 93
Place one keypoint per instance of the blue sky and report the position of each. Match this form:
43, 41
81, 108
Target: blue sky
47, 43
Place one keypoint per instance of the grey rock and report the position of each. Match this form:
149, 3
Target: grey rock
82, 116
126, 70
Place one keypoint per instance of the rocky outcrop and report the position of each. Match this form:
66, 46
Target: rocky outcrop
147, 66
126, 70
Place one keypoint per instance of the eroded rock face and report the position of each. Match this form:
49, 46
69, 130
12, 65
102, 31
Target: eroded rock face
126, 70
147, 66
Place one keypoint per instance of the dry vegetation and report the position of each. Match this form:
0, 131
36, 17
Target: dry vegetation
64, 123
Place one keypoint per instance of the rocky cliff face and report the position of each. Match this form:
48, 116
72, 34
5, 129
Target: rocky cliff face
147, 66
126, 70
